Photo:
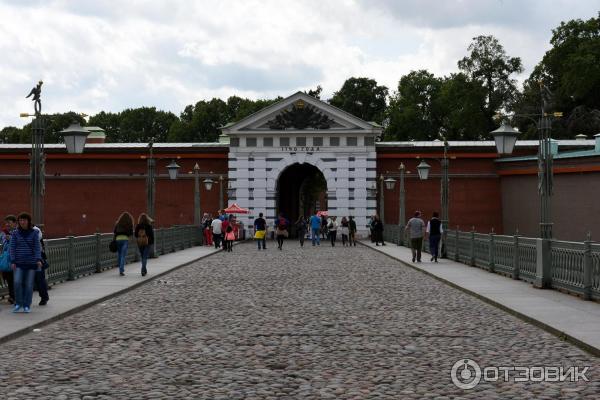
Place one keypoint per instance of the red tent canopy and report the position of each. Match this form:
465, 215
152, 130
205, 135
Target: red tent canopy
322, 213
235, 209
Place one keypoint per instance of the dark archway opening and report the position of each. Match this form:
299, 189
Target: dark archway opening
301, 190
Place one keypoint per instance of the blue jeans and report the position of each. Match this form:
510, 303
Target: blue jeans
24, 286
144, 253
263, 241
122, 246
316, 238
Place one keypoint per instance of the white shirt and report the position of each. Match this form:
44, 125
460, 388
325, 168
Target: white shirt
216, 226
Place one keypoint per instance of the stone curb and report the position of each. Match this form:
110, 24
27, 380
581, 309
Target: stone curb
556, 332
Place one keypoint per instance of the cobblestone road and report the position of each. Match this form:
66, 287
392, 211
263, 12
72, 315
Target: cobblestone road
311, 323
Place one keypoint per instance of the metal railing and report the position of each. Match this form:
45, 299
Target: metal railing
76, 256
575, 265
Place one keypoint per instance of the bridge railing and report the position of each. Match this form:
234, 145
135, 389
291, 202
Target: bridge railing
575, 266
76, 256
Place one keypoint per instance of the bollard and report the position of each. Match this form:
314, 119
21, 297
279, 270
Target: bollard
515, 274
588, 266
71, 258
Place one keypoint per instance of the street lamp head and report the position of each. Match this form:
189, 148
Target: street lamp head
423, 170
505, 138
75, 136
173, 168
208, 183
390, 183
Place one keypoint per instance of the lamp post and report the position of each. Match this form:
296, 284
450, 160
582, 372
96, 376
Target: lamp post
221, 192
74, 137
207, 185
402, 214
505, 138
423, 170
173, 169
381, 200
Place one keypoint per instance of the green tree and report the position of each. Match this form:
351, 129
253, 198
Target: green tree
489, 64
11, 134
200, 123
363, 98
109, 122
413, 112
571, 71
461, 104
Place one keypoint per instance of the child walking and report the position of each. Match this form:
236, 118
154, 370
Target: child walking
229, 238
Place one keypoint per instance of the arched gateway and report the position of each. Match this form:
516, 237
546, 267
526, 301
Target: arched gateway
276, 152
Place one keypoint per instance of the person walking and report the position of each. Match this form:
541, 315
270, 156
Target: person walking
260, 231
224, 225
229, 239
435, 231
122, 232
9, 277
332, 228
371, 225
40, 274
324, 230
377, 230
344, 228
352, 230
301, 228
26, 256
315, 227
206, 221
216, 227
281, 231
416, 228
144, 234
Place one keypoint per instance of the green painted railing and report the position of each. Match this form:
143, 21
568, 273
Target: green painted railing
575, 265
76, 256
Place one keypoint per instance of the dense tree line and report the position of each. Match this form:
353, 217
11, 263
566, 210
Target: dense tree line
461, 106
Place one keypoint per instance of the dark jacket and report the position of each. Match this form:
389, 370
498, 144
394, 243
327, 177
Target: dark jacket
149, 232
25, 248
120, 231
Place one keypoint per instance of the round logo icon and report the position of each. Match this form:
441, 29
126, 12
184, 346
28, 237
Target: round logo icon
466, 374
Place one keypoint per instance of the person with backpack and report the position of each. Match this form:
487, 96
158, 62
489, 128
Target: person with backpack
144, 234
281, 230
332, 228
352, 231
229, 239
378, 230
122, 232
301, 228
26, 256
8, 276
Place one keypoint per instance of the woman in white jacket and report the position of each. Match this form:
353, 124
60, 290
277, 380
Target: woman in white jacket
332, 227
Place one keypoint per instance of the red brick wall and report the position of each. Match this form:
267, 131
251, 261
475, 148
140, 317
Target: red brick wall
474, 191
80, 201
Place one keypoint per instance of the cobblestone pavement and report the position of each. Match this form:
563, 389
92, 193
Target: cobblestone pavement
310, 323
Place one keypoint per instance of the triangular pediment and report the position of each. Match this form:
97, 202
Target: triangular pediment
300, 112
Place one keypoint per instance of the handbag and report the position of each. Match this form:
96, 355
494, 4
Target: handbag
5, 261
112, 246
260, 234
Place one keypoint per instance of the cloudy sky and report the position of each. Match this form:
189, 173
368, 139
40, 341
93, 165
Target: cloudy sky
110, 55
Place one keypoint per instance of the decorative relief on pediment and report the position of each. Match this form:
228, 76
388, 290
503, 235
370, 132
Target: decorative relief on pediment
301, 116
